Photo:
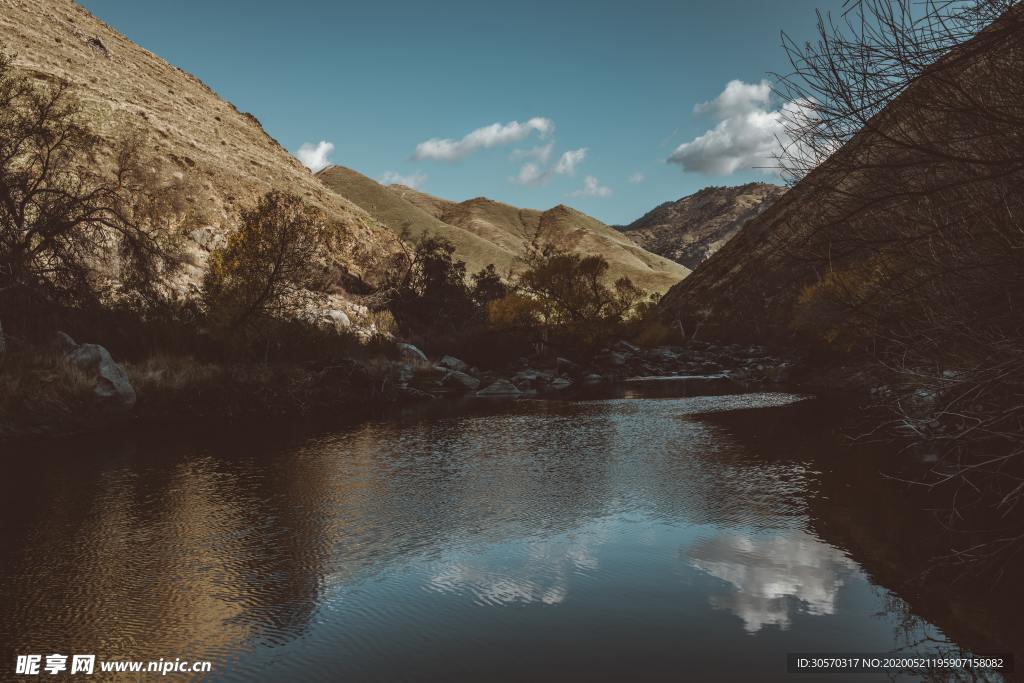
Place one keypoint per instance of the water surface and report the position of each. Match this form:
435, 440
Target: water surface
643, 536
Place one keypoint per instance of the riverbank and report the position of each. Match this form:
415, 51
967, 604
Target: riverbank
54, 393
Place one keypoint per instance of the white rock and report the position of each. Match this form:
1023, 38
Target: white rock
112, 383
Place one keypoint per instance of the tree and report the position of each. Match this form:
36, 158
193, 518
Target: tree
433, 295
565, 296
63, 217
270, 267
488, 286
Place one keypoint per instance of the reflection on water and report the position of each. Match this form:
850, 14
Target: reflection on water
773, 576
620, 538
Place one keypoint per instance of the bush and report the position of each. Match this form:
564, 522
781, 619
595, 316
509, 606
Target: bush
563, 299
270, 267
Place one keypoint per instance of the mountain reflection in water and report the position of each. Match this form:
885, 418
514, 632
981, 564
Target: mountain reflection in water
636, 536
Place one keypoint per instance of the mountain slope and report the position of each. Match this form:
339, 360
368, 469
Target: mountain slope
693, 228
908, 235
225, 153
485, 231
406, 219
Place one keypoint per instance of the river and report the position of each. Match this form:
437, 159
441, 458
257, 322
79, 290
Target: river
644, 534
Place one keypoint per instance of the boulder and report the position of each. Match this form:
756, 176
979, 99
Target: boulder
453, 363
63, 343
501, 387
112, 383
410, 352
565, 365
339, 319
460, 381
625, 347
559, 384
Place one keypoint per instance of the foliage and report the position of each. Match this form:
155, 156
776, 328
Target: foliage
269, 268
63, 218
433, 298
563, 298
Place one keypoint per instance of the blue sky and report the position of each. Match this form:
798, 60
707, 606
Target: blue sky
620, 80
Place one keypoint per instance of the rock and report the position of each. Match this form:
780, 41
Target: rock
208, 238
460, 381
410, 352
453, 363
112, 383
565, 365
501, 387
405, 373
626, 347
340, 319
593, 378
559, 384
63, 342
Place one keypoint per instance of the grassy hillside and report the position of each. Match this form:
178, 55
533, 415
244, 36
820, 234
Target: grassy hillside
402, 216
226, 154
486, 231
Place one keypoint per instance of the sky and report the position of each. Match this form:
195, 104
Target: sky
610, 107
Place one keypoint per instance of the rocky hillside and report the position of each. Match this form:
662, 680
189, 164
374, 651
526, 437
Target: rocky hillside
691, 229
485, 231
225, 154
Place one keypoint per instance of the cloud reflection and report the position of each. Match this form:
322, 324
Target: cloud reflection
774, 577
538, 573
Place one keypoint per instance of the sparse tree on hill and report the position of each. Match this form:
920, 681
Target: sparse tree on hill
270, 267
63, 216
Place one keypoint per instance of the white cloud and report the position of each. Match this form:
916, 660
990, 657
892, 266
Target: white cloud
531, 173
568, 162
541, 153
748, 135
737, 98
447, 149
413, 180
637, 178
592, 188
314, 157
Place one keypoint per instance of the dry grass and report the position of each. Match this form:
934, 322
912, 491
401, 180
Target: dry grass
485, 231
40, 393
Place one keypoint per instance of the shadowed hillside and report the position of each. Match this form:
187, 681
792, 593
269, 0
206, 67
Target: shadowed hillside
909, 233
691, 229
222, 152
485, 231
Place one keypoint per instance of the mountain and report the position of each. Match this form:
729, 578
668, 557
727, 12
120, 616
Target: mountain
907, 236
693, 228
226, 154
485, 231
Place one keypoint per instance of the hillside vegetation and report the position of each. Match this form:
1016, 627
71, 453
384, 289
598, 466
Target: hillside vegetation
485, 231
